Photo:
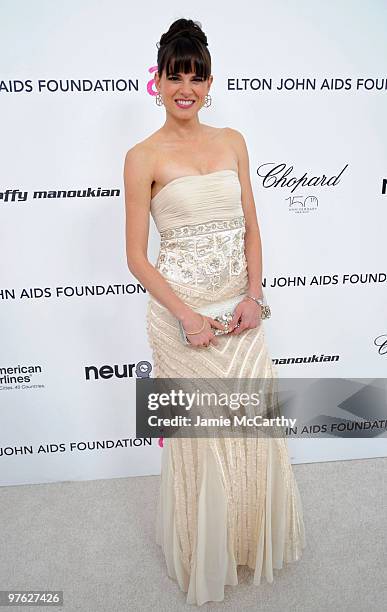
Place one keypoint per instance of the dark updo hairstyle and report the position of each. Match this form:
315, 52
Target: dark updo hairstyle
184, 49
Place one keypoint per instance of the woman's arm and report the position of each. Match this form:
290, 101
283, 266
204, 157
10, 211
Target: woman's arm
137, 181
253, 245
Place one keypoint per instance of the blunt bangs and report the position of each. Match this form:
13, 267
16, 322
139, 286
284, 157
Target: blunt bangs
185, 56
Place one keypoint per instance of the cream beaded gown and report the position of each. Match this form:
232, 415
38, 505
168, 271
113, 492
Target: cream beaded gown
223, 502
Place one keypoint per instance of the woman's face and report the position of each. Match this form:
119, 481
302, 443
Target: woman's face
183, 94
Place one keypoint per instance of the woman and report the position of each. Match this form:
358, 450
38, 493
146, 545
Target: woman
223, 502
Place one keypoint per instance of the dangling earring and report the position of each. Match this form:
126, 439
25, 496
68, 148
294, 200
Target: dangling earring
159, 100
207, 100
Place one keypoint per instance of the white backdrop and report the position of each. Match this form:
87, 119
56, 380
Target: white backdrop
76, 93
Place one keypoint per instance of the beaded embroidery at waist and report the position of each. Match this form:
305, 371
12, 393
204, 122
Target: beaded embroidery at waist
206, 255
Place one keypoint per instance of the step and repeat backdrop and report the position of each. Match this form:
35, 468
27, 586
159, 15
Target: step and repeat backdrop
306, 84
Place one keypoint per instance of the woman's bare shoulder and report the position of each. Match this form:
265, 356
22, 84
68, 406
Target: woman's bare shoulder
144, 147
233, 133
143, 154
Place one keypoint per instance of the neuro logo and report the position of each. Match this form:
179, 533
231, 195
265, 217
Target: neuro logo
141, 369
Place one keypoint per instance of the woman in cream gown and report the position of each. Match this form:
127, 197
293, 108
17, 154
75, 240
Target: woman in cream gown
223, 502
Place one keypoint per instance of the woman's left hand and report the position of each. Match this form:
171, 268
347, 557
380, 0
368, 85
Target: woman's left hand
249, 314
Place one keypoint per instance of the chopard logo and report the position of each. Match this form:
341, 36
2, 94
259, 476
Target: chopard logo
381, 343
279, 175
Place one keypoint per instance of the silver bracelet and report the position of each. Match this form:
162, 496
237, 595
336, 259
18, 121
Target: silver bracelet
259, 301
265, 309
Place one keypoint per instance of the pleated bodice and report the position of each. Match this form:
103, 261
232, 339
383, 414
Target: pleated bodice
197, 199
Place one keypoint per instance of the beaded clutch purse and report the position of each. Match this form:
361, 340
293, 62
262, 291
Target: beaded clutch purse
222, 312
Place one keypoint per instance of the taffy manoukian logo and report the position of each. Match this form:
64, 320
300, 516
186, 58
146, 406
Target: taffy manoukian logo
150, 85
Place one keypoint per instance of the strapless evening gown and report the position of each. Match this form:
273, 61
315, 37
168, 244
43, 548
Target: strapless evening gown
222, 502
